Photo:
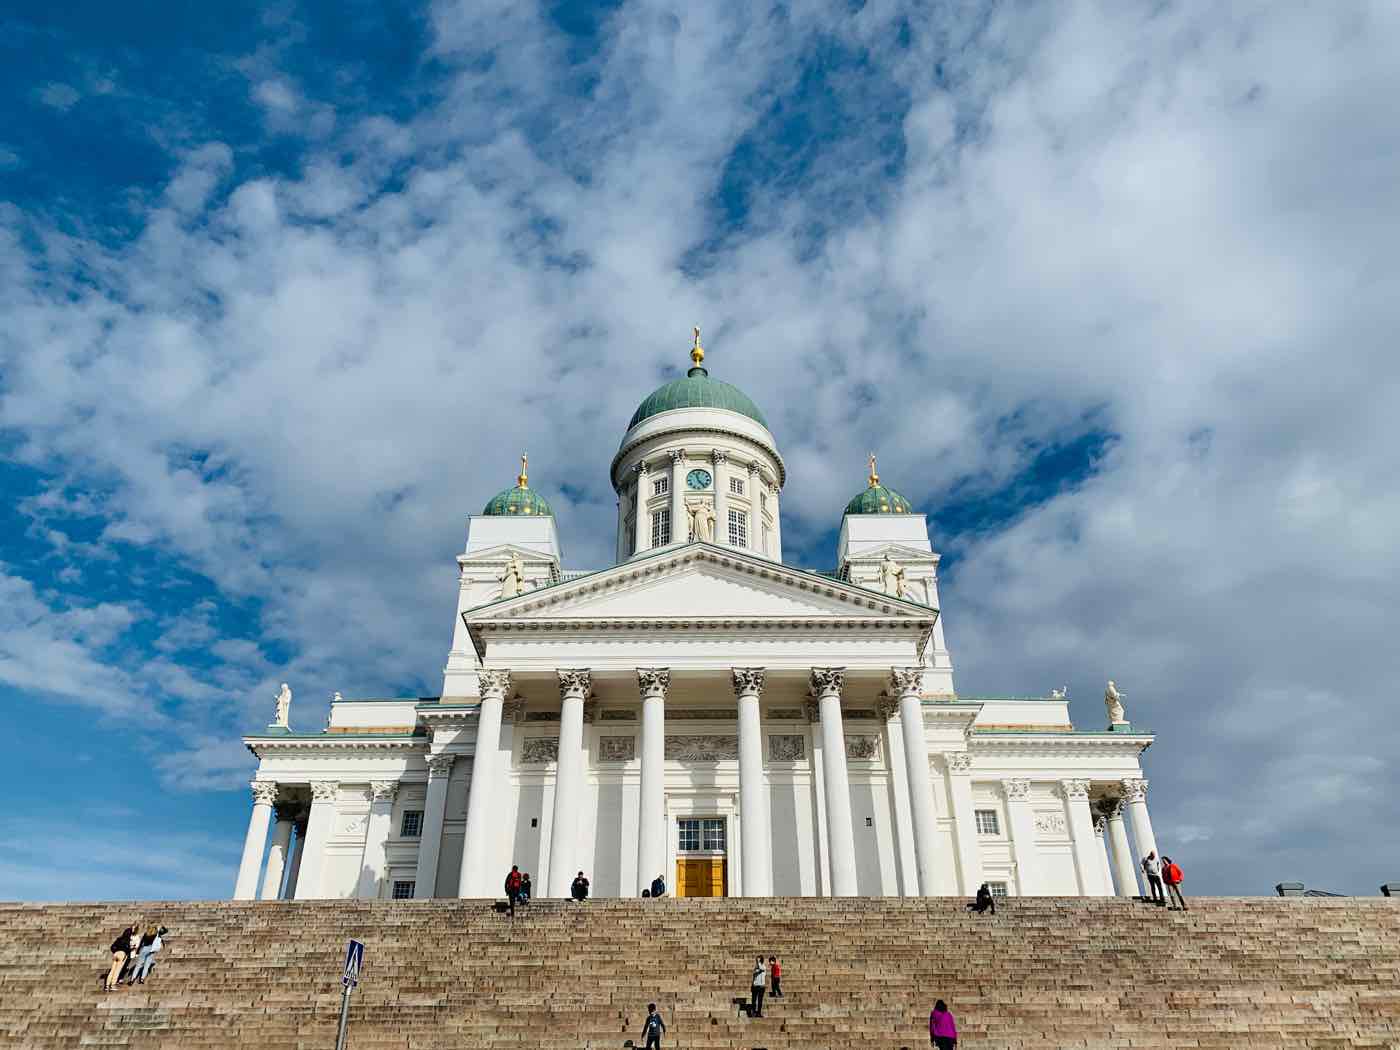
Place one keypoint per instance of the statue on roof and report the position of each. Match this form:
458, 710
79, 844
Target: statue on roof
284, 707
891, 576
1113, 701
702, 522
512, 579
1059, 694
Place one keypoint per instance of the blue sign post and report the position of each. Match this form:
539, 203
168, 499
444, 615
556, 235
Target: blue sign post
354, 961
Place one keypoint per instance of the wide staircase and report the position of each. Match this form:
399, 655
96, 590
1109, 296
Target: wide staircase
1043, 972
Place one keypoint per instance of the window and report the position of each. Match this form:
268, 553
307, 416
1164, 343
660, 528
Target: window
736, 486
661, 486
998, 889
661, 527
738, 528
412, 826
706, 834
403, 891
987, 823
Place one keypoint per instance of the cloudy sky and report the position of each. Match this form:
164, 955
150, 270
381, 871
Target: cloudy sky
1112, 288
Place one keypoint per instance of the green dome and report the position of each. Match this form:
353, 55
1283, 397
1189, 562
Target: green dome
518, 499
878, 499
697, 390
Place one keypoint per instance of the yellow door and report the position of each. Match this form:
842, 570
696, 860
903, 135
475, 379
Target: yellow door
702, 877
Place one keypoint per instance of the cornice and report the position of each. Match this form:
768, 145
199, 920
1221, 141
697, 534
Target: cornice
981, 743
662, 432
340, 744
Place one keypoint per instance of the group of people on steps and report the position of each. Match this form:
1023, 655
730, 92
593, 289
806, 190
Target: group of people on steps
133, 955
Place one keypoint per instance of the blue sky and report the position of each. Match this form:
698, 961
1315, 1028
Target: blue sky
1111, 288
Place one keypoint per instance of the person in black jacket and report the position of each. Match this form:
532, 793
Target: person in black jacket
984, 900
513, 883
121, 950
579, 890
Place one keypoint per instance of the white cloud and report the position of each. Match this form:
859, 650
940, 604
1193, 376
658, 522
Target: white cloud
60, 96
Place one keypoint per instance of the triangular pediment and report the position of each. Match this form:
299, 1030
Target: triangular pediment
699, 581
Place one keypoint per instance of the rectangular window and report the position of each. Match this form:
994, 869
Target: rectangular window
661, 486
987, 823
689, 835
738, 528
736, 486
403, 891
661, 527
412, 826
714, 834
998, 889
702, 835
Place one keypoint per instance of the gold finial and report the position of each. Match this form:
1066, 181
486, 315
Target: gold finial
874, 478
697, 352
523, 478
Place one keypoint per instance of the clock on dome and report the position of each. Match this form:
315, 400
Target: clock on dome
698, 479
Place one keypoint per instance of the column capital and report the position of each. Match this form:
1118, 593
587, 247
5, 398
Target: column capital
676, 454
1018, 789
906, 681
1134, 789
513, 710
264, 792
494, 684
653, 682
640, 469
575, 683
753, 467
959, 763
1100, 824
1074, 788
719, 456
383, 790
324, 790
748, 681
1110, 808
886, 706
827, 681
440, 766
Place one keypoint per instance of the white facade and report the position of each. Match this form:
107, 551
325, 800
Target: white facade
697, 709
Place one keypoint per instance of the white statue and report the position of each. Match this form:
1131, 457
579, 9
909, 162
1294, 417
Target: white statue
1059, 694
284, 706
513, 578
891, 577
1113, 700
336, 697
702, 522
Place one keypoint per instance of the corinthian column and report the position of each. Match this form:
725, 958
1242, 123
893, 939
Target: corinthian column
277, 852
679, 524
721, 482
641, 525
1135, 795
430, 835
1124, 869
1087, 865
651, 823
757, 839
959, 770
264, 795
474, 879
375, 863
574, 687
905, 683
826, 687
318, 830
1022, 820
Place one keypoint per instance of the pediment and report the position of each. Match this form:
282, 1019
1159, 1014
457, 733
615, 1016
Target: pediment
700, 582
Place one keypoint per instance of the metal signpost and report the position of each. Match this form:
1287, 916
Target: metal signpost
354, 959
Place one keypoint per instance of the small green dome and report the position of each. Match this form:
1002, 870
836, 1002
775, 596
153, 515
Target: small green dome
517, 500
878, 499
697, 390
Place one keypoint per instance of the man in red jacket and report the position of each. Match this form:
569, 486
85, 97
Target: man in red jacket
513, 881
1171, 875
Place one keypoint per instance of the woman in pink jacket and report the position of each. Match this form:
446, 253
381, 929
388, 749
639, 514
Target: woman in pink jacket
942, 1029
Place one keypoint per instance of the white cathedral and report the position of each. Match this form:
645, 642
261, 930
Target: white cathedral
699, 711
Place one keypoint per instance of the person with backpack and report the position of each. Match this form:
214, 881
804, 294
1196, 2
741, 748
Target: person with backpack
1171, 875
759, 985
942, 1028
653, 1028
513, 882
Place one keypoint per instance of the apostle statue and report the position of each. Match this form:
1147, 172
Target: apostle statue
702, 522
1113, 700
891, 577
513, 578
284, 707
1059, 694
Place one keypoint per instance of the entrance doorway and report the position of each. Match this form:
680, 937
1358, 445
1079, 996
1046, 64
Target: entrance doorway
702, 857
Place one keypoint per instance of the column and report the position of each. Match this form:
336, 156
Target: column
621, 525
887, 708
826, 686
1123, 866
823, 873
1087, 867
721, 497
374, 863
574, 687
651, 823
318, 829
680, 526
905, 683
482, 821
289, 891
959, 772
1135, 795
264, 794
640, 532
755, 510
1022, 821
430, 840
753, 799
277, 852
1101, 852
777, 553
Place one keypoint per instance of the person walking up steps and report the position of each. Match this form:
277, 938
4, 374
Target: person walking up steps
653, 1028
1152, 868
120, 948
513, 883
1171, 875
775, 974
759, 986
942, 1029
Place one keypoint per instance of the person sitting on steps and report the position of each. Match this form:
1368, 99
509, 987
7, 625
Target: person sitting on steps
579, 890
658, 887
984, 900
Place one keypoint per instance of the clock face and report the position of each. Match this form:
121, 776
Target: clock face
698, 479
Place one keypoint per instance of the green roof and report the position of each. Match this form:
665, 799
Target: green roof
518, 499
697, 390
879, 499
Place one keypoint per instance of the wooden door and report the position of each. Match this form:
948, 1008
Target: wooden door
702, 877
